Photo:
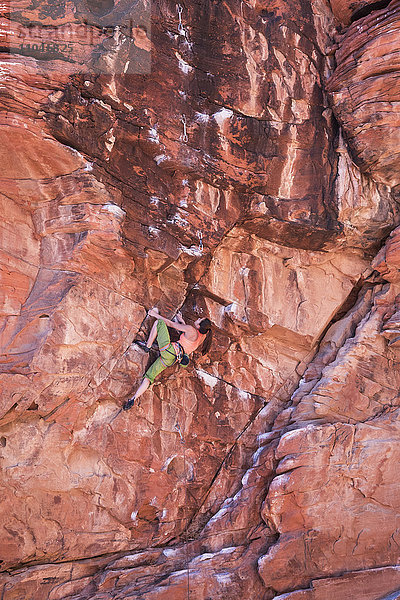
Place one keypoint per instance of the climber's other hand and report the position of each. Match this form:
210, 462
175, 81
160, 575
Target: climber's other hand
178, 318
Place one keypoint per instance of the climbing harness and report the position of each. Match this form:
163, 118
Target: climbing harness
180, 355
184, 135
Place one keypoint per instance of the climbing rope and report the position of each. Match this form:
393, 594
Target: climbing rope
185, 531
308, 357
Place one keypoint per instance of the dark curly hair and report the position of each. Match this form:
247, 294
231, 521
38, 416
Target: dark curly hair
205, 327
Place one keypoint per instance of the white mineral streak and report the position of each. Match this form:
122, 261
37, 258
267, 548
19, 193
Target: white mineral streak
110, 140
222, 118
153, 135
255, 47
169, 552
160, 158
114, 209
223, 578
177, 220
288, 171
112, 90
207, 197
183, 65
222, 115
208, 379
192, 251
103, 104
202, 117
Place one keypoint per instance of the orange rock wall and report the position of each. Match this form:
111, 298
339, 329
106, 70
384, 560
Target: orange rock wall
250, 176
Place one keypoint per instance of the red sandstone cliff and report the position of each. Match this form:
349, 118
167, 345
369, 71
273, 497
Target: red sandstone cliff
245, 168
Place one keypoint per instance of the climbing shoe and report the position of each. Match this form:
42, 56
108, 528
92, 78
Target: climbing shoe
128, 404
142, 345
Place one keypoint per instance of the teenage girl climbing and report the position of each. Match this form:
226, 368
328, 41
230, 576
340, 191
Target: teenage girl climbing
193, 336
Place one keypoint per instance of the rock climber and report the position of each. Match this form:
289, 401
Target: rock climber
193, 336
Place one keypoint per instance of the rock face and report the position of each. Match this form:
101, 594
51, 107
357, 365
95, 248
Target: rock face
365, 86
233, 160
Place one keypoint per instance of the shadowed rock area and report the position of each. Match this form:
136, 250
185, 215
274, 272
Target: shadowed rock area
236, 160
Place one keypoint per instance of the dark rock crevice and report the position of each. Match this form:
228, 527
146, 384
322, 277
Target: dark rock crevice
369, 8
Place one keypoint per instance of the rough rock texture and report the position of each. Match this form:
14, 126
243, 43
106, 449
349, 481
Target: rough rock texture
250, 176
365, 91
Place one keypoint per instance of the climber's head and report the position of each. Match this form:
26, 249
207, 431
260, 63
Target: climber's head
204, 326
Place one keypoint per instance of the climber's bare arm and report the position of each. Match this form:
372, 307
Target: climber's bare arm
179, 326
179, 318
